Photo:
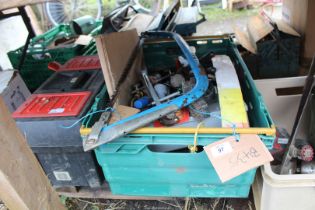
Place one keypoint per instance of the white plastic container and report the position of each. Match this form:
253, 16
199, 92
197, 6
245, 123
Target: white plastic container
282, 108
284, 192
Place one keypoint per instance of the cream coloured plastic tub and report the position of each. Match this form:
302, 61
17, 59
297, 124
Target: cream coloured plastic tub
283, 192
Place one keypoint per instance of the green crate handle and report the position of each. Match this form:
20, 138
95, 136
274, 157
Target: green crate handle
124, 149
133, 149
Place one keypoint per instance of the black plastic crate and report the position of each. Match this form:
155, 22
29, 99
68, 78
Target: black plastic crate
278, 58
60, 153
71, 81
81, 73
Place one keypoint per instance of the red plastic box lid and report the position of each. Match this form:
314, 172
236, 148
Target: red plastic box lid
52, 105
77, 63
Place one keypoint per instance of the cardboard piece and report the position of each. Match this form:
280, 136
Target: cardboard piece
13, 89
122, 112
259, 27
83, 40
243, 39
114, 51
231, 158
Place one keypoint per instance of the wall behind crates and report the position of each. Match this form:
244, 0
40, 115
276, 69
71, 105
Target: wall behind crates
13, 35
300, 15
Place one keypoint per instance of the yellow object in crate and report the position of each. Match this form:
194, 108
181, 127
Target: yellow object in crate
232, 106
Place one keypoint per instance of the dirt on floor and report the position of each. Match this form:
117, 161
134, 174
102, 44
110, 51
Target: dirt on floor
175, 203
172, 204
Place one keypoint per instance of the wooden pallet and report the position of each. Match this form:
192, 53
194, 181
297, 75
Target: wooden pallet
102, 192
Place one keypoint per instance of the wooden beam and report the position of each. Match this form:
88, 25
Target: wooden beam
34, 21
104, 192
9, 4
23, 184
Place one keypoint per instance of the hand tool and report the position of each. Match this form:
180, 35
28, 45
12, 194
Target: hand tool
307, 92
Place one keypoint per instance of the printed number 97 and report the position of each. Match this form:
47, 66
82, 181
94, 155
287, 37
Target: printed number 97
220, 148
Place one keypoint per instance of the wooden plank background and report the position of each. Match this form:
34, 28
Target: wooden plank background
23, 183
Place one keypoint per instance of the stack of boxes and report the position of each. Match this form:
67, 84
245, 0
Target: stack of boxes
50, 121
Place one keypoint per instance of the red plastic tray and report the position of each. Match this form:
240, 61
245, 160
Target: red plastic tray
52, 105
77, 63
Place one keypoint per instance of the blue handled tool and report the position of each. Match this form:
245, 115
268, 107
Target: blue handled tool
124, 126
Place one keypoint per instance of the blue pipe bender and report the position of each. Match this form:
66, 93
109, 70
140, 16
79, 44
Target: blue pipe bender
120, 128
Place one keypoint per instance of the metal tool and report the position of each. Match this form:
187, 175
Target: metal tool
97, 128
167, 97
308, 167
162, 90
141, 119
150, 87
302, 150
307, 93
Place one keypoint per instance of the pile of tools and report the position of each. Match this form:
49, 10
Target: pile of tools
160, 87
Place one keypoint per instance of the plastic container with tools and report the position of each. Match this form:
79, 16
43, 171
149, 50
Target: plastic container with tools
49, 120
154, 162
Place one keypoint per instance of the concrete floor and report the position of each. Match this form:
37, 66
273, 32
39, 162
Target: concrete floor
221, 27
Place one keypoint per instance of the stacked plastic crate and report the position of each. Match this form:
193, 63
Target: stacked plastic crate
51, 120
149, 163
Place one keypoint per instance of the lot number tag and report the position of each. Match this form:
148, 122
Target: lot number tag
231, 158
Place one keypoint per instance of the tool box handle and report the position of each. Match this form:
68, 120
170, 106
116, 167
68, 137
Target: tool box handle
54, 66
131, 149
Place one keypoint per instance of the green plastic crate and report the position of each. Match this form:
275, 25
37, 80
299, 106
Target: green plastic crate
90, 49
136, 169
35, 70
132, 166
99, 104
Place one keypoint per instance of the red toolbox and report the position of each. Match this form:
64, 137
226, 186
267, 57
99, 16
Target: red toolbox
53, 105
